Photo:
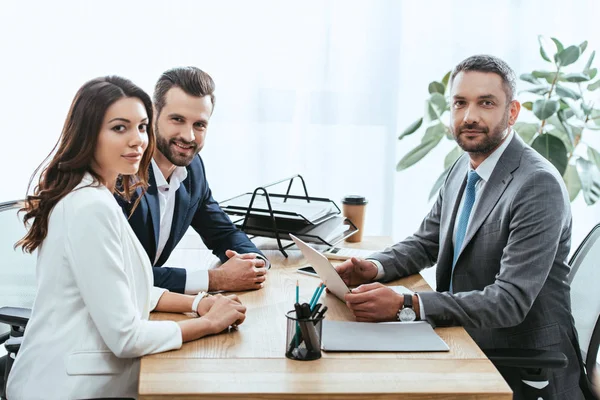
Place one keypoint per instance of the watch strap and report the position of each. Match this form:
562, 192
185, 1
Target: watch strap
408, 301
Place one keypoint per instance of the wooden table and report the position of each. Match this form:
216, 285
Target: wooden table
250, 363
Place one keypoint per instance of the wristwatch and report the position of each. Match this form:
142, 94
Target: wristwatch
406, 313
196, 301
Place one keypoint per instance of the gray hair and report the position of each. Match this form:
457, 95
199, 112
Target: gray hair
487, 63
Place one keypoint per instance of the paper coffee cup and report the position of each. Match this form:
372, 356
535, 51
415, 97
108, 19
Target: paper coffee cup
354, 208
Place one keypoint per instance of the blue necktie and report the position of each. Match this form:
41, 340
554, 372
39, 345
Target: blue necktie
463, 220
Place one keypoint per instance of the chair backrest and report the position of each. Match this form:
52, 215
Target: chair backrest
585, 298
17, 269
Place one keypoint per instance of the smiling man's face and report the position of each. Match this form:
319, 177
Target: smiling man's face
182, 125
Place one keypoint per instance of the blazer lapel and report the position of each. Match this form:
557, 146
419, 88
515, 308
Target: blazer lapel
151, 199
146, 264
182, 203
452, 193
453, 190
491, 193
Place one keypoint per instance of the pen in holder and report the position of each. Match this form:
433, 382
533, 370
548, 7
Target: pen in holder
303, 340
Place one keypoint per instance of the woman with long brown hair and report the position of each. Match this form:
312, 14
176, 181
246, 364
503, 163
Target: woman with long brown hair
89, 323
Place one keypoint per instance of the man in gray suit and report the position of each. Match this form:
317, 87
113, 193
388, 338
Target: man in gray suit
500, 233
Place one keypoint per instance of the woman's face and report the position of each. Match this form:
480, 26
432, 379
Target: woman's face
122, 140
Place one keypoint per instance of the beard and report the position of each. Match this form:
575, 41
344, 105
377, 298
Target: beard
488, 141
169, 150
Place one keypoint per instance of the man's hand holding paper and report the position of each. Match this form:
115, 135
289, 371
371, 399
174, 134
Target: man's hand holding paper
356, 271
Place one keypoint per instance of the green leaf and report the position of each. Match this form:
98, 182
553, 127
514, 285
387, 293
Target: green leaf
590, 180
588, 65
545, 108
446, 79
542, 50
593, 86
526, 130
436, 106
559, 45
579, 124
412, 128
416, 154
438, 183
452, 156
569, 131
449, 135
583, 46
529, 78
571, 178
595, 116
564, 91
574, 107
528, 105
553, 149
593, 127
539, 90
434, 132
549, 76
594, 156
560, 134
567, 110
568, 56
437, 87
555, 122
591, 72
569, 140
576, 77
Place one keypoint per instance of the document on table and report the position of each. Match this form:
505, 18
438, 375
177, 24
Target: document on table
386, 336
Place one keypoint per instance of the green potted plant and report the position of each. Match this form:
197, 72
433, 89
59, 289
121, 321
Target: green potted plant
563, 108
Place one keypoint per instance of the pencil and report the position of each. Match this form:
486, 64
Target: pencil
314, 296
319, 292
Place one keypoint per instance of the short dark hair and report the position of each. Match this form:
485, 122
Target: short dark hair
191, 80
487, 63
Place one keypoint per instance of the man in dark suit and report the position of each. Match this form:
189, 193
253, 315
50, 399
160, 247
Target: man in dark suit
500, 233
178, 195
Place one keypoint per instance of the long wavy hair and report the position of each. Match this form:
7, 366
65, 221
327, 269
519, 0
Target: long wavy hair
75, 151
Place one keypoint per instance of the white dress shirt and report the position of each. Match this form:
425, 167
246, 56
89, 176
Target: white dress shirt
484, 170
197, 279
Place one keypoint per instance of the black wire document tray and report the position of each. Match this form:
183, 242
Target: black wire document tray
275, 215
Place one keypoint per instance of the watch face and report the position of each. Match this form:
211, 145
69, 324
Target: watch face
407, 315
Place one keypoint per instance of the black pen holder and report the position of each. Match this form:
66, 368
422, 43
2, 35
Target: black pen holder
303, 338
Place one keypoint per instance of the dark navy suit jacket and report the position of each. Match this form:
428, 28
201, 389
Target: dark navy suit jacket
195, 206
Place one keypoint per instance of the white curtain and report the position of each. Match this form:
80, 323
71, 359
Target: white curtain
319, 88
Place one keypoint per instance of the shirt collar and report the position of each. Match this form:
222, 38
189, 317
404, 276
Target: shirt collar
178, 176
485, 169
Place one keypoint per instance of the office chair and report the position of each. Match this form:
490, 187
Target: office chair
585, 304
17, 287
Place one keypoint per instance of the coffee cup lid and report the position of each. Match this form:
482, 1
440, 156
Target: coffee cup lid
354, 200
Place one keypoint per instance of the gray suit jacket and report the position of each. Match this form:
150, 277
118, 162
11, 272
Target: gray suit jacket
510, 280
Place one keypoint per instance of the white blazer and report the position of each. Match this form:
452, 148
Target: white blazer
89, 323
